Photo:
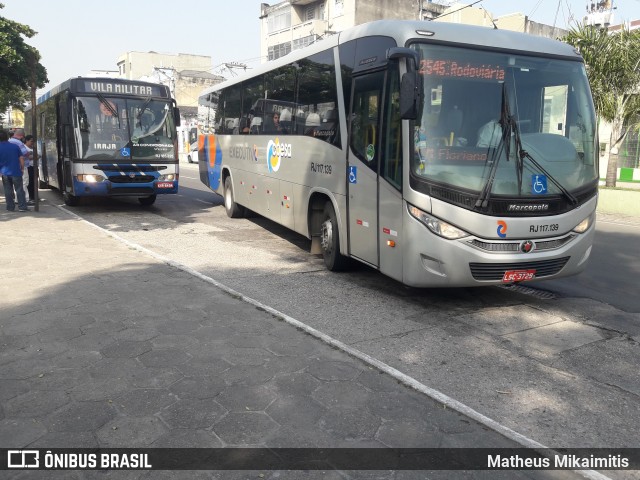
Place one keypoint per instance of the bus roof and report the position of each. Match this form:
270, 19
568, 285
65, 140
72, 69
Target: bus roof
78, 85
403, 31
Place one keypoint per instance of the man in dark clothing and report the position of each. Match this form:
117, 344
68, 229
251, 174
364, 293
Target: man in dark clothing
11, 168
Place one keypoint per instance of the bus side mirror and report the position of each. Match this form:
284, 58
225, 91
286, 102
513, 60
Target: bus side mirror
408, 97
410, 86
176, 116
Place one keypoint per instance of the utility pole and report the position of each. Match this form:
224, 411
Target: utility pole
34, 129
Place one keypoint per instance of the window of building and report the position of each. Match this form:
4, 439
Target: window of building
280, 50
304, 41
310, 13
279, 19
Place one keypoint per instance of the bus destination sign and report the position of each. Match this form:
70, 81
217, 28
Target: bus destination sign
452, 68
94, 86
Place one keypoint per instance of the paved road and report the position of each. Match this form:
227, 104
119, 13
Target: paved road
611, 276
103, 345
520, 358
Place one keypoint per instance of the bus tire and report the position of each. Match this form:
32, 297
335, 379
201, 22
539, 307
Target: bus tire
330, 241
70, 199
147, 201
231, 207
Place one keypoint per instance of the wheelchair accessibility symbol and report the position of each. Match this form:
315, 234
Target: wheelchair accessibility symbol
538, 184
125, 152
353, 175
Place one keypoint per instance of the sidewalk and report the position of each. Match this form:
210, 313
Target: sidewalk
624, 200
103, 346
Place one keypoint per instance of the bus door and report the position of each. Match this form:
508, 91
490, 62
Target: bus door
362, 167
390, 201
48, 164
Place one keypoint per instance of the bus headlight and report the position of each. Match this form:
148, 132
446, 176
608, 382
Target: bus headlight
91, 178
170, 177
584, 225
436, 225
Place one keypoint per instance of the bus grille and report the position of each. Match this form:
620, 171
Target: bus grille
130, 168
496, 271
134, 179
510, 247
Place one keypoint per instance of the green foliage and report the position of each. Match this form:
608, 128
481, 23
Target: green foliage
18, 63
613, 68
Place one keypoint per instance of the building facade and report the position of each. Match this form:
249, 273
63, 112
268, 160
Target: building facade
294, 24
185, 74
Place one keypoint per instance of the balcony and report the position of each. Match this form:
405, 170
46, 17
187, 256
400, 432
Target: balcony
296, 32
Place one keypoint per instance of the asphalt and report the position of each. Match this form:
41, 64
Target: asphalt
104, 345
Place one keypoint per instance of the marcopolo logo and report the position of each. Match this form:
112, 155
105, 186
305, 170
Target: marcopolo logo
276, 151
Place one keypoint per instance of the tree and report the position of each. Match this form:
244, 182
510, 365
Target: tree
613, 68
19, 64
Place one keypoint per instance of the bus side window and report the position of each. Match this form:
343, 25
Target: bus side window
365, 116
391, 168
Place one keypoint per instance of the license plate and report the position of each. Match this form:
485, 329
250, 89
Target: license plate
165, 184
518, 275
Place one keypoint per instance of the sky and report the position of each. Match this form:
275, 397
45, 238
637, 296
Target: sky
76, 36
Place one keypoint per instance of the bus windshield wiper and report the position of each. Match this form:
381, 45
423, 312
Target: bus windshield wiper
522, 154
506, 123
109, 107
144, 107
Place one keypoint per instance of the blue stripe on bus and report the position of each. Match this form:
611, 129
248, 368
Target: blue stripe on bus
214, 170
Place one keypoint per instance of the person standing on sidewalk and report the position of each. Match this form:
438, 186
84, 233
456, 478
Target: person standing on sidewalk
11, 168
16, 136
27, 178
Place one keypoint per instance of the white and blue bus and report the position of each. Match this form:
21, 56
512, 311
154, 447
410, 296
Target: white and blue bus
107, 137
439, 154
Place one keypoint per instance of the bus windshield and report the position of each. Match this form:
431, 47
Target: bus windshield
503, 124
123, 128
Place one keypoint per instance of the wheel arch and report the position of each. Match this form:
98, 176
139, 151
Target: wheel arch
315, 208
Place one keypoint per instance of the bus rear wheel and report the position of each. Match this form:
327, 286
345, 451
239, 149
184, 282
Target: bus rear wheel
146, 201
330, 241
231, 207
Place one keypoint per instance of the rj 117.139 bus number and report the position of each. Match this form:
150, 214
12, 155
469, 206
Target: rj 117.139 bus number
321, 168
551, 227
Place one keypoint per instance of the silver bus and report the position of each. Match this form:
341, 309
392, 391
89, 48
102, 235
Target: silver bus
440, 154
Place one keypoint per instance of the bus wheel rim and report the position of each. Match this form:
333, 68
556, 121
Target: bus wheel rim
227, 199
326, 236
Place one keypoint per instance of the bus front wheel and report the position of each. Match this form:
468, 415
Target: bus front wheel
146, 201
330, 241
231, 207
70, 200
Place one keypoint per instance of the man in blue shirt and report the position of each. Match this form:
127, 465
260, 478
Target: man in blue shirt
11, 168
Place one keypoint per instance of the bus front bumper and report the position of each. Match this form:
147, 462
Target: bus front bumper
108, 188
438, 262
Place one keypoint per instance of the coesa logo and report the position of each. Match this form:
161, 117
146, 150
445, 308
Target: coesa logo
276, 151
502, 229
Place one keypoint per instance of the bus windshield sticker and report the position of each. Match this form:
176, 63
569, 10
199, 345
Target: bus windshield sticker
125, 152
538, 184
371, 152
353, 174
